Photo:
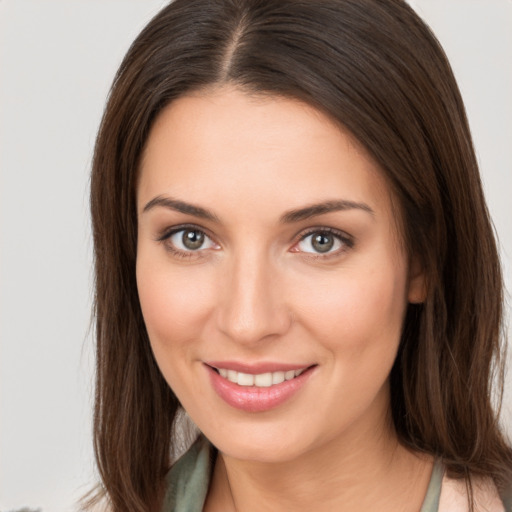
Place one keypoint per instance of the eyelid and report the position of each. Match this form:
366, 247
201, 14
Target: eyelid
167, 233
347, 240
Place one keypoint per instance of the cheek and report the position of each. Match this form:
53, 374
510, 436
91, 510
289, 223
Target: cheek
173, 304
174, 308
358, 311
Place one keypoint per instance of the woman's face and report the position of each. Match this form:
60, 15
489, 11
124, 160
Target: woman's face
268, 248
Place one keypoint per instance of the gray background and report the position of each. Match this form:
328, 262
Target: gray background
57, 59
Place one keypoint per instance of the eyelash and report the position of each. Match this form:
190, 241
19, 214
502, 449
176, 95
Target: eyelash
165, 237
346, 240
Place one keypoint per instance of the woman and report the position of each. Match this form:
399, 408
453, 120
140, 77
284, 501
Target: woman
292, 245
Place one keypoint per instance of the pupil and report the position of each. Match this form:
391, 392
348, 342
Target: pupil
322, 242
193, 239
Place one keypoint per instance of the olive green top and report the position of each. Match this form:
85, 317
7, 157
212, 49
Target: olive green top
188, 480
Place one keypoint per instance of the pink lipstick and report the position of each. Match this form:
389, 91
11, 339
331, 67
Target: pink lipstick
256, 388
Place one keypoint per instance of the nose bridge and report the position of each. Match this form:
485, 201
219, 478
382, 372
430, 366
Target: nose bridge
252, 306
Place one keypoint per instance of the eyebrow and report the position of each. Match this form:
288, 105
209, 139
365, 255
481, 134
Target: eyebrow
322, 208
180, 206
287, 218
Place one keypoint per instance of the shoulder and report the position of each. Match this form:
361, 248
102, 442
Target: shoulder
454, 496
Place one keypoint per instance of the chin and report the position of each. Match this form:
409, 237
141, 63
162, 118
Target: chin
261, 443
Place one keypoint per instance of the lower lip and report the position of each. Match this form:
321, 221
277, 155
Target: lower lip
257, 399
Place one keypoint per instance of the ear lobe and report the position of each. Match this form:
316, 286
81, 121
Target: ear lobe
417, 292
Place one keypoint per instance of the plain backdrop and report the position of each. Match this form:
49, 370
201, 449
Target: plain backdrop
57, 60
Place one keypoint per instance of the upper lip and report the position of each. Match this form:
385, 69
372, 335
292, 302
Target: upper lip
256, 368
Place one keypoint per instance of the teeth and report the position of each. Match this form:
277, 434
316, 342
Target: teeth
262, 380
289, 375
277, 377
245, 379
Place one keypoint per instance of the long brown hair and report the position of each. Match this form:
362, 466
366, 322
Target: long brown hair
374, 67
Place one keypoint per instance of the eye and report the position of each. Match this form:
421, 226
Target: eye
187, 240
324, 241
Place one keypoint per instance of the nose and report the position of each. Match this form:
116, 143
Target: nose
252, 305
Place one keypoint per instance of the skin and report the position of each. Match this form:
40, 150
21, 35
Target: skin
258, 290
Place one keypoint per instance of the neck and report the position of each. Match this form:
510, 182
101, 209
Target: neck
351, 472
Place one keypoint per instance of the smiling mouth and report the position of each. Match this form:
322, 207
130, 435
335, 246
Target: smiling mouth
275, 384
260, 380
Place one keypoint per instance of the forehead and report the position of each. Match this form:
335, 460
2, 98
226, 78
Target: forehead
229, 150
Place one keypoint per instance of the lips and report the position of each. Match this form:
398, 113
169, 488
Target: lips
261, 380
257, 388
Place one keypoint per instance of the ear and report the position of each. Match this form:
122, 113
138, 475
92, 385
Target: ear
417, 292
